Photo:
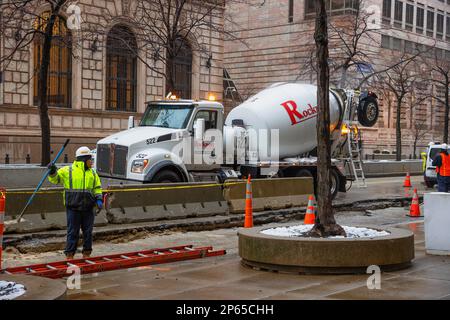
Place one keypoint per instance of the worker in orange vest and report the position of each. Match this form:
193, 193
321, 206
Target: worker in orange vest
442, 163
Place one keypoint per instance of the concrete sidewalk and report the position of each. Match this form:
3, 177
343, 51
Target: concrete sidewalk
225, 278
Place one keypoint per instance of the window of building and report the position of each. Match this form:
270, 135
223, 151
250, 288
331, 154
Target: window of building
409, 47
397, 44
181, 71
398, 14
447, 32
447, 55
409, 16
420, 19
121, 69
334, 7
310, 7
337, 4
387, 11
59, 84
291, 11
440, 25
385, 41
430, 22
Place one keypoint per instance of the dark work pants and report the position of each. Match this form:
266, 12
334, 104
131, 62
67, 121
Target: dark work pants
75, 221
443, 184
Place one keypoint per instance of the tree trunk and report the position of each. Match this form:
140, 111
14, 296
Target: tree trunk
325, 223
43, 86
398, 130
447, 109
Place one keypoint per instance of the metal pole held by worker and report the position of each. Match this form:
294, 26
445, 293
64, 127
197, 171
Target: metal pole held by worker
42, 181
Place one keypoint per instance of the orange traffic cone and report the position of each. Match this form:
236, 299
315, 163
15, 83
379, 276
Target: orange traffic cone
248, 222
310, 217
414, 210
407, 182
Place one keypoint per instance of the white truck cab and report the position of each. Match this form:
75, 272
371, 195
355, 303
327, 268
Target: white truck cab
144, 153
430, 175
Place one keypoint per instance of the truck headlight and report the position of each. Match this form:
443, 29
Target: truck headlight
138, 166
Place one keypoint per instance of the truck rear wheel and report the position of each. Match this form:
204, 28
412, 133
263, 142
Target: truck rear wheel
334, 183
368, 112
304, 173
166, 176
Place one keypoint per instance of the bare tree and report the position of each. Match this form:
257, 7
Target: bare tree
353, 41
400, 81
21, 24
439, 71
353, 38
325, 222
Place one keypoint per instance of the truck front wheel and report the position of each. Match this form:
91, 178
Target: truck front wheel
166, 176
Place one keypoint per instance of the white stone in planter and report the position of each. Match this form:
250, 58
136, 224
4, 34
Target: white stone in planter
437, 223
296, 231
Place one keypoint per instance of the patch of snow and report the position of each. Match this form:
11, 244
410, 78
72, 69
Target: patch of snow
11, 290
300, 230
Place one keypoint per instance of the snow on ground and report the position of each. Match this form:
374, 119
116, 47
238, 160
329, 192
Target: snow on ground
298, 231
10, 290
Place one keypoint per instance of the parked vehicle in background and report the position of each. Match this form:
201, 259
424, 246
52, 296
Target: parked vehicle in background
430, 176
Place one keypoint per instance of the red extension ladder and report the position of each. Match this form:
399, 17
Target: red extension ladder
116, 261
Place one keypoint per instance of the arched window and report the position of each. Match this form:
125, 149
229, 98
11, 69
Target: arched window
121, 61
181, 71
59, 81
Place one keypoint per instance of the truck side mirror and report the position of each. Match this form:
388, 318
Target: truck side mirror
199, 129
130, 122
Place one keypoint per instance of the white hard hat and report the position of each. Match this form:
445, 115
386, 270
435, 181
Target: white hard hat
444, 146
83, 151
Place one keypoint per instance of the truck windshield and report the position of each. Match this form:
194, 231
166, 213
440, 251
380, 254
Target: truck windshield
167, 116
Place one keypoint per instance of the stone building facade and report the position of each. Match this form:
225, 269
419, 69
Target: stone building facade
84, 100
276, 36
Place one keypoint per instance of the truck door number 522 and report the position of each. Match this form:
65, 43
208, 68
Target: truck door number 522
151, 140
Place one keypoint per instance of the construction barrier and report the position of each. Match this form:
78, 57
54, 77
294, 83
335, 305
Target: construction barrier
269, 194
152, 202
141, 203
46, 213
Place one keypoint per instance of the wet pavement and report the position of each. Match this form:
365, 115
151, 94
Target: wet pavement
225, 278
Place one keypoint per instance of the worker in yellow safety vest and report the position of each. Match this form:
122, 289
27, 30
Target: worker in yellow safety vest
82, 193
442, 163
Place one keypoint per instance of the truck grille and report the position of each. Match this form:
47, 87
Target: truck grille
112, 160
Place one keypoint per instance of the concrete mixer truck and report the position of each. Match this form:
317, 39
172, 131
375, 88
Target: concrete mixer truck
272, 134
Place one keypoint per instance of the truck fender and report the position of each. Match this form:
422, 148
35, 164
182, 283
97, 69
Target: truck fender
166, 164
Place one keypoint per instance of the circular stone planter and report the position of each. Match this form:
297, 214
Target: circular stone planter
321, 255
38, 288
